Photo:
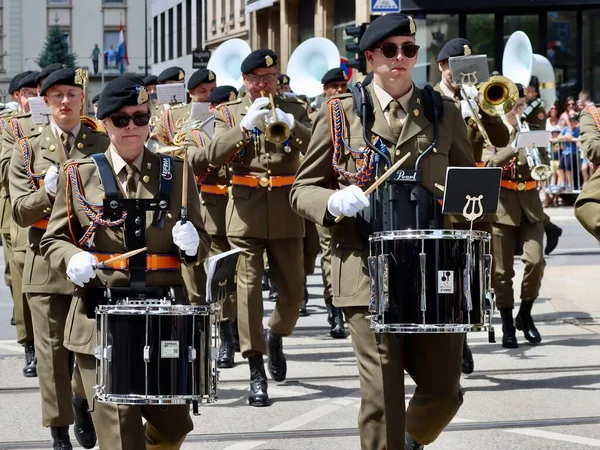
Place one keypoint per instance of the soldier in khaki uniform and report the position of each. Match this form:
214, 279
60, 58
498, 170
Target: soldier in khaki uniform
259, 216
33, 176
124, 109
589, 125
519, 220
433, 361
587, 206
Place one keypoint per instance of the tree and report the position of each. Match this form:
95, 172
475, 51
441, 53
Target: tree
56, 50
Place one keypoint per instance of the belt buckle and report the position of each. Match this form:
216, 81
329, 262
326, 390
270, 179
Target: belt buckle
264, 182
521, 186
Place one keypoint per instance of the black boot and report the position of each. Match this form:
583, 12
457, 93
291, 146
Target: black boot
13, 322
509, 338
258, 382
524, 323
335, 318
277, 364
553, 232
273, 294
225, 359
468, 365
303, 309
30, 369
61, 438
236, 336
83, 427
411, 444
265, 281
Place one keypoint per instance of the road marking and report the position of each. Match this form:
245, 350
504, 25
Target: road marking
557, 436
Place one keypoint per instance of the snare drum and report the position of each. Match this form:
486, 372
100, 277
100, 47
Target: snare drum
430, 281
155, 354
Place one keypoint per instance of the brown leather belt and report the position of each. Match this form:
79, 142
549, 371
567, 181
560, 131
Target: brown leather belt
480, 164
266, 182
519, 186
41, 224
153, 261
216, 189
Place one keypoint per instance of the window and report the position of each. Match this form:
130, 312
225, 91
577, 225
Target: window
561, 50
111, 48
528, 24
343, 12
179, 31
591, 52
188, 26
114, 2
59, 2
306, 21
155, 30
481, 32
170, 36
433, 31
199, 23
162, 38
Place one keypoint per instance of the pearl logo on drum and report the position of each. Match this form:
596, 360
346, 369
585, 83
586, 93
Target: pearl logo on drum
445, 282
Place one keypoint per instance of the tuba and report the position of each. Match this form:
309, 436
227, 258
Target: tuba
226, 62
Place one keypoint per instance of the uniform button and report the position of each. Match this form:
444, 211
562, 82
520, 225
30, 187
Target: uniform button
269, 171
169, 215
397, 152
203, 202
434, 149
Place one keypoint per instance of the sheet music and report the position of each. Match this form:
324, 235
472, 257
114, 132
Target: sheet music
170, 93
209, 127
40, 113
199, 111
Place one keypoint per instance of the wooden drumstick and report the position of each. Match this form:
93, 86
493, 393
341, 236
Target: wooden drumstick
115, 259
388, 173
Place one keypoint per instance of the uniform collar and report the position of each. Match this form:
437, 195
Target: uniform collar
385, 99
119, 163
58, 131
447, 91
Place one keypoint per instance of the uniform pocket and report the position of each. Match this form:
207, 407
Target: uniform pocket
346, 272
37, 269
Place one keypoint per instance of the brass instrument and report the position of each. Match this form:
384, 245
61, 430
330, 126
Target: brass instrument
275, 132
539, 170
85, 119
179, 138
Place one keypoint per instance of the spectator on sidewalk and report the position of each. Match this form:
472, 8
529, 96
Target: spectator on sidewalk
569, 106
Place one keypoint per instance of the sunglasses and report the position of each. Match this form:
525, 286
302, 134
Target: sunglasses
121, 120
391, 50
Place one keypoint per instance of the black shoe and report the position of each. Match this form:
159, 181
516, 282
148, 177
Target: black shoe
524, 322
553, 232
13, 322
411, 444
61, 438
273, 294
303, 308
83, 427
509, 338
265, 281
225, 358
30, 369
277, 364
258, 382
335, 317
236, 336
468, 365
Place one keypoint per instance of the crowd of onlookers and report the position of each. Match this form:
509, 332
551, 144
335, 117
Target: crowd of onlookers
570, 168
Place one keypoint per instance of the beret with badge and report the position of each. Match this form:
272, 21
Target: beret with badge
47, 70
28, 81
201, 76
332, 75
12, 86
171, 74
259, 59
223, 94
63, 77
121, 92
389, 25
283, 79
453, 48
150, 80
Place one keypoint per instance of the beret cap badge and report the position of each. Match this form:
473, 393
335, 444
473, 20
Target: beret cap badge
211, 75
81, 76
142, 95
232, 96
268, 61
413, 26
181, 75
467, 50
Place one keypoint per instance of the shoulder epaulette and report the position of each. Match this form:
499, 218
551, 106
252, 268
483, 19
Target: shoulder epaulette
237, 101
298, 101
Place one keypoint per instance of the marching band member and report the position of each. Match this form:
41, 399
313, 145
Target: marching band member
589, 138
399, 120
76, 238
167, 126
283, 84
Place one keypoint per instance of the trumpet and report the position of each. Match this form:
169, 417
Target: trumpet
539, 170
275, 132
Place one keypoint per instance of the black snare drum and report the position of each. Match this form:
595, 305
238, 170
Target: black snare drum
430, 281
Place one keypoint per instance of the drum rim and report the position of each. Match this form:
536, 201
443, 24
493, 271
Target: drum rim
429, 234
412, 328
134, 399
166, 310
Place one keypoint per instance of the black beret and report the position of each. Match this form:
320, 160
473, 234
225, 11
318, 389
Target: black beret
65, 77
150, 80
520, 89
454, 47
120, 92
336, 74
201, 76
284, 79
48, 70
95, 99
171, 74
223, 94
259, 59
388, 25
28, 81
12, 86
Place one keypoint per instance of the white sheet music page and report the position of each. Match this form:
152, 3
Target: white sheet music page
170, 93
40, 113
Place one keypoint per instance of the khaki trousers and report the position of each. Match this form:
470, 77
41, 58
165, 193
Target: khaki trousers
286, 268
312, 247
49, 315
22, 312
8, 255
434, 363
531, 237
220, 244
325, 244
120, 427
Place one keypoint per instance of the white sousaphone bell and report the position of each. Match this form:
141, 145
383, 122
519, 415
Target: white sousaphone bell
519, 63
226, 62
309, 62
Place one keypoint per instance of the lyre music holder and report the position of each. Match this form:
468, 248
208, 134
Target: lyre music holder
472, 192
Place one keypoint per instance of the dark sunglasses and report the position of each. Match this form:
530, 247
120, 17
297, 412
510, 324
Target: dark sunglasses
391, 50
121, 120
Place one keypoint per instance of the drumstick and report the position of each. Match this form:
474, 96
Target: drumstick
120, 257
388, 173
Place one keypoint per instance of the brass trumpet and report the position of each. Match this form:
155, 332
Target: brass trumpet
275, 132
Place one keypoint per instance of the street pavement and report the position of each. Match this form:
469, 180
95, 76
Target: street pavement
531, 398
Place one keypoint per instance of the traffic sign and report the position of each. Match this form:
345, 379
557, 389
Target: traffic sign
385, 6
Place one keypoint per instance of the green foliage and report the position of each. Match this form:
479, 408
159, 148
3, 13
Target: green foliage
56, 50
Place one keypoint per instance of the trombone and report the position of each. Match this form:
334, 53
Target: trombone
539, 170
275, 132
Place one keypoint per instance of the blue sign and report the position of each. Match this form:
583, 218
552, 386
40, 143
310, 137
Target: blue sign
385, 6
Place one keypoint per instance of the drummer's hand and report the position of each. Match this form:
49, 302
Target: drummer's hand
186, 238
347, 201
82, 268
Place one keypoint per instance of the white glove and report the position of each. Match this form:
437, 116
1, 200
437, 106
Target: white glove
347, 201
254, 114
284, 117
51, 180
186, 238
81, 268
466, 111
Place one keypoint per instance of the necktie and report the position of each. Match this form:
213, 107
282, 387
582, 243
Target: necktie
395, 122
131, 183
65, 142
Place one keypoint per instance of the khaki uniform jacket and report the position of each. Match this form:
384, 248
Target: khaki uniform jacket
58, 248
30, 206
590, 133
260, 212
167, 127
5, 220
516, 206
316, 180
587, 205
